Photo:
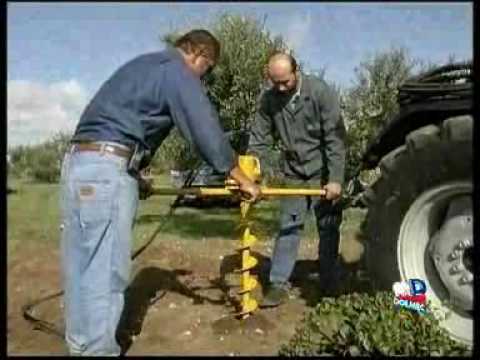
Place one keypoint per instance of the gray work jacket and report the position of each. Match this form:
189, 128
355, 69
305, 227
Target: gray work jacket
312, 136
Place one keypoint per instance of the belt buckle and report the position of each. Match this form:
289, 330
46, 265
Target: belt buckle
109, 148
102, 149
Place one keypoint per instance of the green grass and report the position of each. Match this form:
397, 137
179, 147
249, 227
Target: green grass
34, 216
192, 224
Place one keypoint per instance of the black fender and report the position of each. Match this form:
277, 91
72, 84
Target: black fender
408, 119
429, 98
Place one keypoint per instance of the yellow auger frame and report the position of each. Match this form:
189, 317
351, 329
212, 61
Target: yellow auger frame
251, 167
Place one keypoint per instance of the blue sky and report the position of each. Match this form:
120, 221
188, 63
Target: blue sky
58, 54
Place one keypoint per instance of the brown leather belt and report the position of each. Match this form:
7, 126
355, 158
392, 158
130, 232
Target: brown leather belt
102, 148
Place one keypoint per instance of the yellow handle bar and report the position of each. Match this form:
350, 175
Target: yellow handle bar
211, 191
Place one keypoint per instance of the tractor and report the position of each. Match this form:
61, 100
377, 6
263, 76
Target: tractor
419, 222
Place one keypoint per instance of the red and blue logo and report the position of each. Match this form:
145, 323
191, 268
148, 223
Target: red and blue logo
411, 295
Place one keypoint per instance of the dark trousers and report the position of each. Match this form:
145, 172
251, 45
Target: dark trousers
293, 212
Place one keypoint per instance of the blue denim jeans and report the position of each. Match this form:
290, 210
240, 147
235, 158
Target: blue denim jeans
98, 202
293, 212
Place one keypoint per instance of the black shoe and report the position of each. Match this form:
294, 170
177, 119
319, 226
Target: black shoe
124, 340
275, 296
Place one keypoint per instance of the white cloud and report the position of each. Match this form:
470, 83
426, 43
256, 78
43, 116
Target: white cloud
36, 111
298, 30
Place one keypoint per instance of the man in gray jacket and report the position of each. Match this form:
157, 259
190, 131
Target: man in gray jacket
302, 114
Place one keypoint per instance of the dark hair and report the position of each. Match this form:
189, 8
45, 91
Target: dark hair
200, 41
293, 62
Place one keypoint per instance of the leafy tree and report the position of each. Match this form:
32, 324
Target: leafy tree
41, 162
235, 83
373, 99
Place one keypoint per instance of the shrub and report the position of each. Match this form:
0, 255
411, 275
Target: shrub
372, 99
40, 162
362, 325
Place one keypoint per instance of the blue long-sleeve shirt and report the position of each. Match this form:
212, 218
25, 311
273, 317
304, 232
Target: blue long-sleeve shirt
145, 98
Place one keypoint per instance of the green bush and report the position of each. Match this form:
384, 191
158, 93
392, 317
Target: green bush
369, 325
372, 99
174, 153
40, 162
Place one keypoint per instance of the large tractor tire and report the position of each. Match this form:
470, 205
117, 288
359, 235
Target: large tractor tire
420, 222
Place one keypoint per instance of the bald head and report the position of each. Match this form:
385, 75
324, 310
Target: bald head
281, 63
282, 72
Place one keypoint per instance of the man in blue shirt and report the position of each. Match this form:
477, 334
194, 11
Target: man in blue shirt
127, 119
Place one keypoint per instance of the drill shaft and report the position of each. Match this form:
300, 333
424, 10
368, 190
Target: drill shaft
229, 191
